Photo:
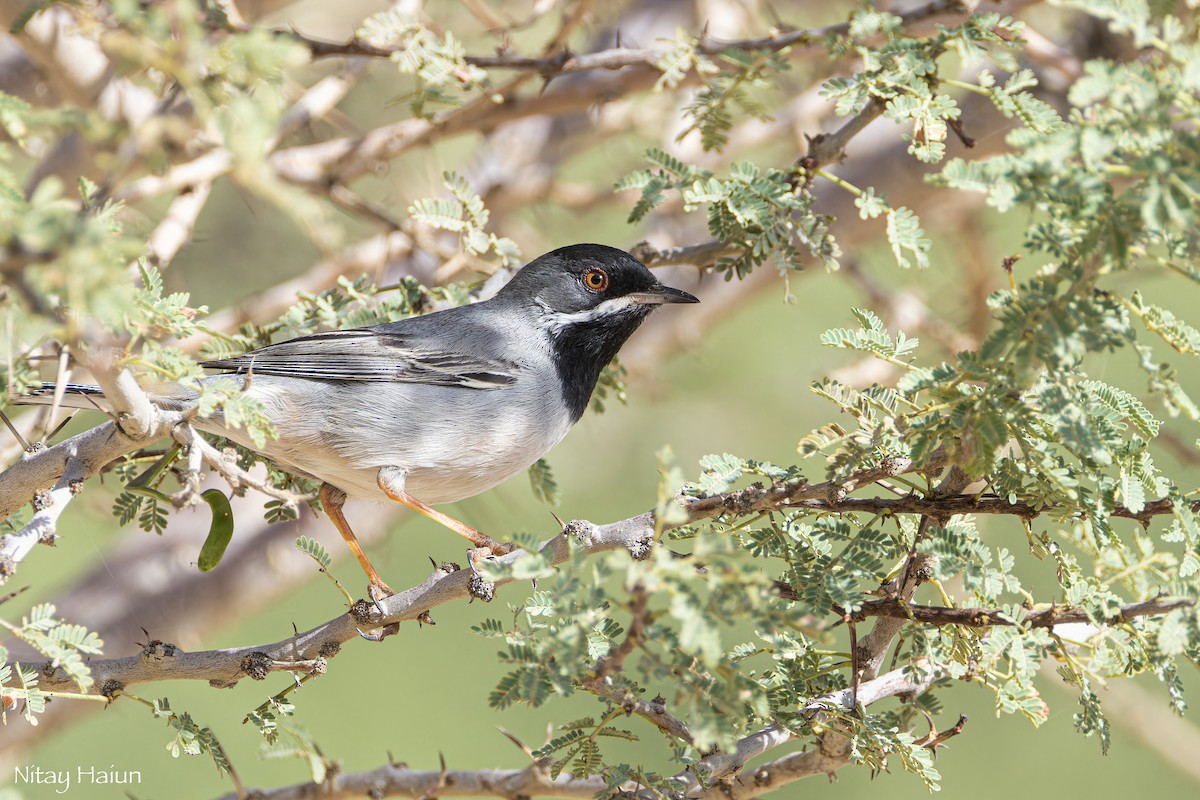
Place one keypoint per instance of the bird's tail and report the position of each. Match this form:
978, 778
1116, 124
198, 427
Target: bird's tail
91, 398
75, 395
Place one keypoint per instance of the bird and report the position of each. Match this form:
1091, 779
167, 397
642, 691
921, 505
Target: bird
440, 407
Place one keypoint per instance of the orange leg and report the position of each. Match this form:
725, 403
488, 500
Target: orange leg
332, 500
477, 538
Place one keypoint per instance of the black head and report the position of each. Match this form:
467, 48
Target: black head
590, 299
579, 278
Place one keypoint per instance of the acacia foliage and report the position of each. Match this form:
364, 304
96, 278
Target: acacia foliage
738, 634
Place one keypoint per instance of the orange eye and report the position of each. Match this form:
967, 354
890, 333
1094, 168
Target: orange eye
596, 280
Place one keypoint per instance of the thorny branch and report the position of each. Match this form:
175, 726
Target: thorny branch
600, 682
225, 667
894, 608
42, 528
564, 62
342, 160
730, 778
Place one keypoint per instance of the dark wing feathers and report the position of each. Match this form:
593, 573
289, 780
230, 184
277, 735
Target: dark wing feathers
367, 355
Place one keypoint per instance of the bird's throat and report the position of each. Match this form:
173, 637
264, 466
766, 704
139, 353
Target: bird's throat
581, 350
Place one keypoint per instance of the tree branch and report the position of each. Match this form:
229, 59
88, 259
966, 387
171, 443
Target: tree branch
943, 507
725, 769
228, 469
564, 62
42, 528
894, 608
93, 449
397, 780
600, 681
224, 667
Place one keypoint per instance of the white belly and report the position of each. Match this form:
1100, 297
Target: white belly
452, 443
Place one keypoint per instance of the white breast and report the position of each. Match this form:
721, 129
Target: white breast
452, 442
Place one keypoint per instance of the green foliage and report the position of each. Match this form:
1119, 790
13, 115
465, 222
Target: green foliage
467, 216
712, 109
63, 644
190, 738
541, 480
314, 550
436, 62
220, 532
317, 552
765, 213
874, 743
289, 742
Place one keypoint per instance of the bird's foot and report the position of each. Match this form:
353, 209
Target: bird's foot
490, 546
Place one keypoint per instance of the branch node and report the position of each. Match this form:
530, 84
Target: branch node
891, 465
639, 549
922, 567
257, 665
158, 650
42, 500
329, 649
361, 611
111, 688
742, 502
480, 588
581, 531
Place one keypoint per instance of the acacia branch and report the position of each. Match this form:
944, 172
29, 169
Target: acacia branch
894, 608
346, 159
728, 781
824, 148
93, 449
238, 478
564, 62
43, 527
600, 682
944, 507
225, 667
175, 229
397, 780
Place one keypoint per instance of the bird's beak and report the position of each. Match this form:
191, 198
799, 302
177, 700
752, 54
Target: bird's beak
659, 294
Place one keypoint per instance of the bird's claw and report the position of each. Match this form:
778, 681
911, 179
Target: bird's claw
379, 634
378, 592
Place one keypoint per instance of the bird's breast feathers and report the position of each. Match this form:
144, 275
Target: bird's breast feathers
452, 441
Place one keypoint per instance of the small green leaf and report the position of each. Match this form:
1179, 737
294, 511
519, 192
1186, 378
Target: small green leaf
219, 533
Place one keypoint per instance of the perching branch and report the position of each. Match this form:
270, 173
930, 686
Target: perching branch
225, 667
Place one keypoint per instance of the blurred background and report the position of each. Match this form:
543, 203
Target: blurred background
730, 375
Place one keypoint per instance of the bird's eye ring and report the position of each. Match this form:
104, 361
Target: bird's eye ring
596, 279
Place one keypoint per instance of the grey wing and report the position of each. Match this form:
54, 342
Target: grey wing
363, 354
